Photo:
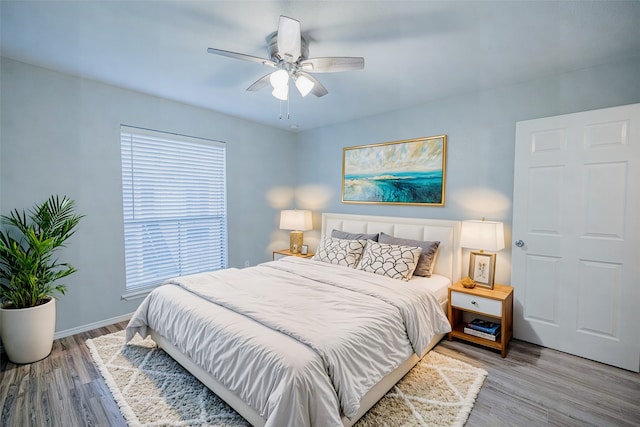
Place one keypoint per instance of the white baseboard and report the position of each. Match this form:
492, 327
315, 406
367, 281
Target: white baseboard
85, 328
90, 326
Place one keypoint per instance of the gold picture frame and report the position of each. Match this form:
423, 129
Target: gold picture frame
407, 172
482, 269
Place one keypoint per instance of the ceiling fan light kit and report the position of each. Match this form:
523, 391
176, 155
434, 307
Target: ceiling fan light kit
289, 54
281, 92
303, 84
279, 78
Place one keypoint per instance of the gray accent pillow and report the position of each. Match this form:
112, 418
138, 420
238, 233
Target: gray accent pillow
339, 234
339, 251
395, 261
427, 261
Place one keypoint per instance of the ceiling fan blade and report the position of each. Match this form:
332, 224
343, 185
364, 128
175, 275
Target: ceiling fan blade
289, 39
242, 56
332, 64
260, 83
318, 90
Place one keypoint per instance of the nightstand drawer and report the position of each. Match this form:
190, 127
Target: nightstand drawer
277, 256
478, 304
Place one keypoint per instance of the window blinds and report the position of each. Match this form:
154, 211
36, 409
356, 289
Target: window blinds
174, 201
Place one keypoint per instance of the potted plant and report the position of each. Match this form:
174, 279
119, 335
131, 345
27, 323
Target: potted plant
29, 275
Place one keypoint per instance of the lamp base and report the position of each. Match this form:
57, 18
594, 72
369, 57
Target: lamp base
295, 241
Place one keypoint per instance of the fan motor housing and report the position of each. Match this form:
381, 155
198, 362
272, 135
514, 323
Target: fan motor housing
272, 43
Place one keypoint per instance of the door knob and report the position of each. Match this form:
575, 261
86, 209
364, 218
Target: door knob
519, 243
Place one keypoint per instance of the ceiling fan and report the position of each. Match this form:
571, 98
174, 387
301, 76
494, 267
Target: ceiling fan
289, 56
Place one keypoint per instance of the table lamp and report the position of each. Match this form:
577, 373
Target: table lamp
297, 221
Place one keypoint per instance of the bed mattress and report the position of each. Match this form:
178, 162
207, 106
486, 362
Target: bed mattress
436, 284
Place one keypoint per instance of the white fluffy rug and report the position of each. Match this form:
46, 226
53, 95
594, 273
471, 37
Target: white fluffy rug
151, 389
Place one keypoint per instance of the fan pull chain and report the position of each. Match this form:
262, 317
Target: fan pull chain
288, 106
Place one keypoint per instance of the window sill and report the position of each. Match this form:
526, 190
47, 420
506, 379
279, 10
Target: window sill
137, 294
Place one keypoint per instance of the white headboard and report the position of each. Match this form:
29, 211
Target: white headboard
447, 232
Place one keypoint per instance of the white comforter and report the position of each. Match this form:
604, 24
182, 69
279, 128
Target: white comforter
300, 341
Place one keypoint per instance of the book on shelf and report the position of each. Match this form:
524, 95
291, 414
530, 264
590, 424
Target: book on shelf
480, 334
485, 326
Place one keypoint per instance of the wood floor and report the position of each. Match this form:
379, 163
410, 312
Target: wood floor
533, 386
537, 386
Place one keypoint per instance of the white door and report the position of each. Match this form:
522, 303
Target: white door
576, 232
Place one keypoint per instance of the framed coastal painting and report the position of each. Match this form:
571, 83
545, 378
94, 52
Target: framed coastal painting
409, 172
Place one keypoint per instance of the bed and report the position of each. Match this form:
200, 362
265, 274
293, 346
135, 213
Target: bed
282, 362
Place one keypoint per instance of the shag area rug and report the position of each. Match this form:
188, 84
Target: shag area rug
152, 389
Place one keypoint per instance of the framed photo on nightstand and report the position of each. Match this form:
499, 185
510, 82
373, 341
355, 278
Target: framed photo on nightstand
304, 250
482, 269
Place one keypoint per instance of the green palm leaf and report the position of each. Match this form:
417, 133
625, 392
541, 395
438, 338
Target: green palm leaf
29, 273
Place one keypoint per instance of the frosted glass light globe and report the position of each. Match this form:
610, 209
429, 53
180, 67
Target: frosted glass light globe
279, 79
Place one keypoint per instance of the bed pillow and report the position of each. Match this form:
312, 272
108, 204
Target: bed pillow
339, 251
395, 261
427, 261
339, 234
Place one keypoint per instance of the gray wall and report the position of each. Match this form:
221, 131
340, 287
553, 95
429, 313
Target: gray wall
480, 128
60, 135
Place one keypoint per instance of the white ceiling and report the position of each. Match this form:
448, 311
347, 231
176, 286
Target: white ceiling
415, 51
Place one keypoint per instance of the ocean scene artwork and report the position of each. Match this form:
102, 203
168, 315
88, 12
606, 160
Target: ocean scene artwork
403, 172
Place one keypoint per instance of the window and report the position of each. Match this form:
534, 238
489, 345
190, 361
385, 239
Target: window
174, 200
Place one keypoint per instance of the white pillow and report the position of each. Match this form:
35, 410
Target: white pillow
395, 261
339, 251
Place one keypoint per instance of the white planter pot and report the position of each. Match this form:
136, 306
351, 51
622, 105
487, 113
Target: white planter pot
27, 333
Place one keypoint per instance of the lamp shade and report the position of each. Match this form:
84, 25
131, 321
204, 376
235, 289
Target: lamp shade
485, 235
298, 220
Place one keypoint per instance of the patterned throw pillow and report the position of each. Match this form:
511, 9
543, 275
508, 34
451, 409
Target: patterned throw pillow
395, 261
427, 261
340, 251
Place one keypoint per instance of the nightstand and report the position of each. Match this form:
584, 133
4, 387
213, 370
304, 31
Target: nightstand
286, 252
495, 304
